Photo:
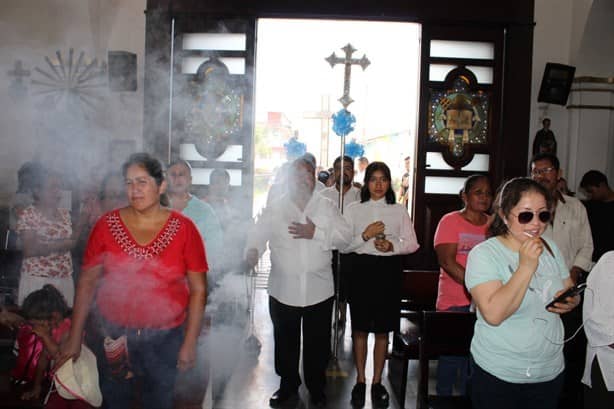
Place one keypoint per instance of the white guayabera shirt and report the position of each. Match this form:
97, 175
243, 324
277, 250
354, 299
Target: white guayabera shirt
598, 318
301, 269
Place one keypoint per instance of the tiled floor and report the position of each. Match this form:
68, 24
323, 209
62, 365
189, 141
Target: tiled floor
253, 379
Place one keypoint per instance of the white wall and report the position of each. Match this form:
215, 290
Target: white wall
551, 43
578, 33
69, 137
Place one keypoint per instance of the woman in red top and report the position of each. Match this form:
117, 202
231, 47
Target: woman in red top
145, 265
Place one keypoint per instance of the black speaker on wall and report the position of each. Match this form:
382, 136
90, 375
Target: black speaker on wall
122, 71
556, 83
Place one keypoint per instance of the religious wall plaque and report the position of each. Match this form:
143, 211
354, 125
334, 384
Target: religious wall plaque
215, 112
458, 116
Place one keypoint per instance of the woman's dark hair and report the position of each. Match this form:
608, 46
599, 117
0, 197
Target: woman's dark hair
471, 181
40, 180
508, 196
154, 168
365, 195
28, 175
40, 304
152, 165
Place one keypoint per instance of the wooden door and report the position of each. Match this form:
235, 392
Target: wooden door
459, 126
212, 100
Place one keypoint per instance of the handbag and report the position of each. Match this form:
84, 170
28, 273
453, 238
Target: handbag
28, 348
116, 354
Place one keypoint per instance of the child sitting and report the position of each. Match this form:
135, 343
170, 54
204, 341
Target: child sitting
47, 312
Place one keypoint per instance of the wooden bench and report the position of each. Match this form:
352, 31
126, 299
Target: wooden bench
443, 333
418, 294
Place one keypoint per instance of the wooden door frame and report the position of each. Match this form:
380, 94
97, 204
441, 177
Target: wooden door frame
515, 19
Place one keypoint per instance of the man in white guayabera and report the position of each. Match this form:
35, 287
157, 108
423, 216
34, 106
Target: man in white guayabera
302, 229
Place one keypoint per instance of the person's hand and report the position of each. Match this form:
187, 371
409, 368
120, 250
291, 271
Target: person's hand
10, 319
187, 357
564, 307
42, 328
251, 258
529, 253
32, 394
576, 273
383, 245
373, 230
71, 349
302, 230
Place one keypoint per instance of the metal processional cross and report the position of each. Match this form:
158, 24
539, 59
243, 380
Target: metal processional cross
345, 100
348, 61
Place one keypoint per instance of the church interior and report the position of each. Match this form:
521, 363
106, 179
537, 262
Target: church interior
86, 83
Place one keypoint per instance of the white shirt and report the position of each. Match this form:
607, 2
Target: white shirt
360, 176
301, 269
351, 196
571, 232
598, 318
399, 228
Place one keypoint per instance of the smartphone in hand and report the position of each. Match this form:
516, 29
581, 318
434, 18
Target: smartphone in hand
570, 292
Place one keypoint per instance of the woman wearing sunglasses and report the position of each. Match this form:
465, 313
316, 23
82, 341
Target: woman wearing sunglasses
517, 349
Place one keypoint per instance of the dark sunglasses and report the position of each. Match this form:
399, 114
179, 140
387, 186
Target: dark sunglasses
544, 216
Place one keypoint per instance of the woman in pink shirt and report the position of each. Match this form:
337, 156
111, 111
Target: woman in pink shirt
457, 233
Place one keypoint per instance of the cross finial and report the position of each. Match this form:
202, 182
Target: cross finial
348, 61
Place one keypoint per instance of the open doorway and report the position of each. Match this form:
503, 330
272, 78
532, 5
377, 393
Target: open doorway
297, 91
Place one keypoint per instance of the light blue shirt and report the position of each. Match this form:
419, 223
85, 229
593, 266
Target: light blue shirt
203, 216
527, 347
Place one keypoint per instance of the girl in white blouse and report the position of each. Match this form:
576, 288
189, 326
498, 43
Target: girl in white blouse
382, 232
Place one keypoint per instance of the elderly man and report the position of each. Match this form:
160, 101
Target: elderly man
301, 228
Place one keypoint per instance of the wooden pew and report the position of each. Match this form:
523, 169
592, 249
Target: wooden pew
443, 333
418, 294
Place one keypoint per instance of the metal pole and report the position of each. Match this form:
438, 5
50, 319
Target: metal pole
338, 278
170, 99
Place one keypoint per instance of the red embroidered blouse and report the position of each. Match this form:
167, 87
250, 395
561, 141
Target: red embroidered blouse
144, 286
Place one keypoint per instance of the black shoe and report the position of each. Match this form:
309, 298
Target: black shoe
318, 400
358, 395
379, 396
282, 396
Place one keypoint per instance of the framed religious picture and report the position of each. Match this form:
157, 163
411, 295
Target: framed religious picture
215, 113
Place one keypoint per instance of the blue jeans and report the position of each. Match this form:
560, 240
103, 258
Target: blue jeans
450, 367
153, 358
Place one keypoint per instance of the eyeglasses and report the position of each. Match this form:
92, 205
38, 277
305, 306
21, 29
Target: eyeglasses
539, 172
526, 217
